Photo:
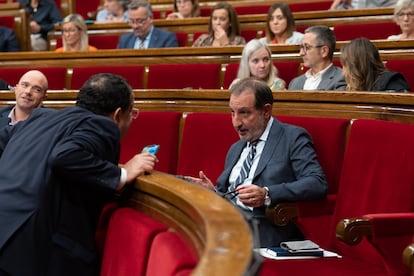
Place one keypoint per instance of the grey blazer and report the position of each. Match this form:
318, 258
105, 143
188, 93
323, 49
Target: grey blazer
159, 39
290, 169
332, 79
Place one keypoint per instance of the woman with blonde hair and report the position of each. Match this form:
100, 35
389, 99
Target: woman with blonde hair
185, 9
364, 70
404, 17
256, 61
74, 35
223, 28
280, 26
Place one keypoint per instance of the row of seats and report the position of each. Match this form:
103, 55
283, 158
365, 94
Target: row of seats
366, 164
373, 31
173, 76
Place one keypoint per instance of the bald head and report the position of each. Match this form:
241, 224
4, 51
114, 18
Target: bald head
30, 92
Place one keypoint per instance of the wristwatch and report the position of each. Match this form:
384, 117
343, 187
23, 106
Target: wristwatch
267, 200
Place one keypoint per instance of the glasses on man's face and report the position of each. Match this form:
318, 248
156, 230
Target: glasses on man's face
137, 21
404, 14
134, 113
307, 47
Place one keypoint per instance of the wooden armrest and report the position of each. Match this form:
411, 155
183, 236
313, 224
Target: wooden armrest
282, 213
408, 256
352, 230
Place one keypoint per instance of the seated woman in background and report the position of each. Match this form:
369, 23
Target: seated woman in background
280, 26
185, 9
256, 61
364, 70
223, 28
404, 16
74, 35
113, 11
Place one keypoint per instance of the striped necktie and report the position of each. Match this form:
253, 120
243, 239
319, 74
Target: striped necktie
247, 164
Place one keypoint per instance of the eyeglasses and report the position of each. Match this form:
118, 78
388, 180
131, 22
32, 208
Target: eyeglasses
403, 14
134, 113
137, 20
306, 47
71, 31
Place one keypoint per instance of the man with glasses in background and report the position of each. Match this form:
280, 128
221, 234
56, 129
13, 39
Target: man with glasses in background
144, 34
317, 48
30, 93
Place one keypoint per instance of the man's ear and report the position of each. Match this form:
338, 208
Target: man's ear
267, 109
325, 51
116, 115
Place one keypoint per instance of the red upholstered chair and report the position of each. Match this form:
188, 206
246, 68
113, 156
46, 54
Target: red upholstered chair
310, 6
196, 154
377, 187
154, 128
288, 70
85, 7
56, 76
230, 74
253, 9
369, 30
329, 138
181, 76
7, 21
248, 34
170, 255
133, 74
182, 39
128, 242
405, 67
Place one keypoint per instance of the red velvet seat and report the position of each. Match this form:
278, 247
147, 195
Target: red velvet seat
128, 242
310, 6
182, 39
329, 138
85, 7
7, 21
368, 30
170, 255
230, 74
133, 74
405, 67
154, 128
248, 34
377, 184
56, 76
196, 154
182, 76
253, 9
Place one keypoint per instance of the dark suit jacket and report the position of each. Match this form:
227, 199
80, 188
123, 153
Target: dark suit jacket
159, 39
4, 113
332, 79
289, 167
57, 169
8, 40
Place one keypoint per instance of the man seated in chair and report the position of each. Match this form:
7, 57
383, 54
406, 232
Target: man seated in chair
144, 34
273, 162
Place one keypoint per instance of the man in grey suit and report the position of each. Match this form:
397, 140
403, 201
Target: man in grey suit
284, 165
144, 34
317, 48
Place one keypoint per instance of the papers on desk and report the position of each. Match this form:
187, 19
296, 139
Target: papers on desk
296, 250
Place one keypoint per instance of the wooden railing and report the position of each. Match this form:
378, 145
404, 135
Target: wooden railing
371, 105
216, 230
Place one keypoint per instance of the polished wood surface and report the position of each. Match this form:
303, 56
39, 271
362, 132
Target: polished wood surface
372, 105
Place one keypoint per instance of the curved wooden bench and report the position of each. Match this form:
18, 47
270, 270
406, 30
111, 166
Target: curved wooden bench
216, 230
